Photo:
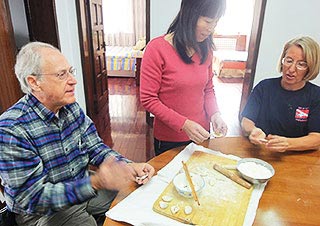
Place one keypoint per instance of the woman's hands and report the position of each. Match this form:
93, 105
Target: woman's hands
195, 131
272, 143
198, 134
257, 136
219, 126
276, 143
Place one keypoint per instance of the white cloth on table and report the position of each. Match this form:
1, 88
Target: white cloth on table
136, 209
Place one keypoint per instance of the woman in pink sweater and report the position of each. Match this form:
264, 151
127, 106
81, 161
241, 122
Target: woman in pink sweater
176, 77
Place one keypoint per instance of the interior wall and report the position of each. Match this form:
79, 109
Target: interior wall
284, 20
68, 35
162, 14
69, 42
19, 22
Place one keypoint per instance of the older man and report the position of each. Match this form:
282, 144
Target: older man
47, 144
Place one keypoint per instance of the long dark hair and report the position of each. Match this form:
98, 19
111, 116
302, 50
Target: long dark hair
184, 25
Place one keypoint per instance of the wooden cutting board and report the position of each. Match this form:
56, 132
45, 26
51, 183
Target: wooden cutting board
222, 201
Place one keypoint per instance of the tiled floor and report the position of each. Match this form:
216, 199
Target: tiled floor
228, 92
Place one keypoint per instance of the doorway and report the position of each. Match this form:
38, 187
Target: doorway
125, 35
231, 38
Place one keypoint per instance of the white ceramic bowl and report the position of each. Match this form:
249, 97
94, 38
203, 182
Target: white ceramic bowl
255, 170
181, 184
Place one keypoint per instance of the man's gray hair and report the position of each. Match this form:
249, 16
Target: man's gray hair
28, 62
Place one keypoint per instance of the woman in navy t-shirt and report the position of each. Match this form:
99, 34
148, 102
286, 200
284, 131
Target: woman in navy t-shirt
284, 113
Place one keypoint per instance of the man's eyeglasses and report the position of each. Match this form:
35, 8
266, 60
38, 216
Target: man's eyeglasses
63, 75
300, 64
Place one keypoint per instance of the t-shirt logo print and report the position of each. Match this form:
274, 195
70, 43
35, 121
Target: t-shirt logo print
302, 114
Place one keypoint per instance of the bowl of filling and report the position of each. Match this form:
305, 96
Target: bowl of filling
182, 186
255, 170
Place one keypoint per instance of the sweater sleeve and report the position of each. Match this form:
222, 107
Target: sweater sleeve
150, 85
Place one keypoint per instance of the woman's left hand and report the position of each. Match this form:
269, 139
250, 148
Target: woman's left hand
277, 143
219, 126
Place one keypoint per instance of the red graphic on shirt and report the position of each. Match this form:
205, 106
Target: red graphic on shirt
302, 114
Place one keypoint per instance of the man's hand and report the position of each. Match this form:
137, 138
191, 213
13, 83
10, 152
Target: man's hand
143, 171
113, 175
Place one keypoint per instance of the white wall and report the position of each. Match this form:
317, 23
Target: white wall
19, 22
162, 13
68, 36
69, 42
284, 20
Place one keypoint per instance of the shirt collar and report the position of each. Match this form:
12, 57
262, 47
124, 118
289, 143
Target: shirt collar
43, 112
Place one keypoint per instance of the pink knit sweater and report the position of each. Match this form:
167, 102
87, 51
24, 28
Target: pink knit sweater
174, 91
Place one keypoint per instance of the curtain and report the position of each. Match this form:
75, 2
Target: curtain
139, 18
237, 18
124, 21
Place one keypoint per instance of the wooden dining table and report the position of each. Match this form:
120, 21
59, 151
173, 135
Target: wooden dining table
291, 197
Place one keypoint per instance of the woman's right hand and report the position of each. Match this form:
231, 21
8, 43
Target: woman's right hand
195, 131
257, 136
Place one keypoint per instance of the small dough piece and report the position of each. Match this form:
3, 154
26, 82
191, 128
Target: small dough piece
187, 210
202, 171
163, 205
217, 134
212, 182
167, 198
175, 209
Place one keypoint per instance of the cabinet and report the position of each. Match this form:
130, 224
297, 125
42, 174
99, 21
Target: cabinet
9, 85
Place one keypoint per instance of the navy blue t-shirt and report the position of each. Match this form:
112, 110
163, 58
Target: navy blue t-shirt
281, 112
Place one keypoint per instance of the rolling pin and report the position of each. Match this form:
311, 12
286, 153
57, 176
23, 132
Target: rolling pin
232, 176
